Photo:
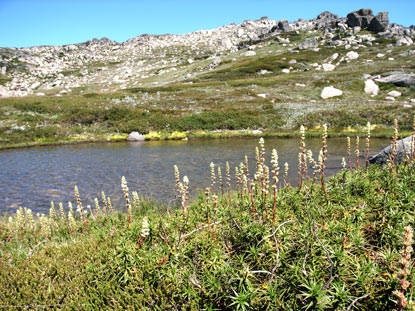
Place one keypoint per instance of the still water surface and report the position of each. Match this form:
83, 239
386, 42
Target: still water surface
36, 176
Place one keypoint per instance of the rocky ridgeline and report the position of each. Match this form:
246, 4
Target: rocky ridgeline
107, 65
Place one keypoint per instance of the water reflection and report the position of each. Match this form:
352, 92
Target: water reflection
34, 177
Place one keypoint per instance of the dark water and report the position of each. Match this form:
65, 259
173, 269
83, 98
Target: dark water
34, 177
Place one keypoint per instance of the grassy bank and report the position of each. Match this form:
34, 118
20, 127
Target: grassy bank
29, 122
334, 244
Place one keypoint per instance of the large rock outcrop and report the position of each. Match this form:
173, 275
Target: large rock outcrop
364, 18
361, 18
379, 23
284, 26
404, 149
326, 20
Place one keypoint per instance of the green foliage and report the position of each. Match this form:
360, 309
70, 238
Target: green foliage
326, 253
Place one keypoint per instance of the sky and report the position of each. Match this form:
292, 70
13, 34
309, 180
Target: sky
26, 23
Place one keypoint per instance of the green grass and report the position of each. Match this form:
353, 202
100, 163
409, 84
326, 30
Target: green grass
321, 253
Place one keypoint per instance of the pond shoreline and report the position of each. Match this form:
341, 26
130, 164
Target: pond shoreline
211, 136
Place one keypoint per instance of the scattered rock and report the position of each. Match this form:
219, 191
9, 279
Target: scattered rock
352, 55
264, 72
404, 149
400, 79
394, 94
300, 84
4, 92
390, 98
371, 88
215, 63
262, 95
250, 53
309, 43
408, 53
380, 55
136, 136
286, 70
334, 57
256, 132
405, 41
293, 61
329, 92
328, 67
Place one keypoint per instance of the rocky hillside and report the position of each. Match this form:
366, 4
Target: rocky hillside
154, 60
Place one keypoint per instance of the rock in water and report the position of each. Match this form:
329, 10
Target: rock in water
136, 136
329, 92
404, 149
371, 88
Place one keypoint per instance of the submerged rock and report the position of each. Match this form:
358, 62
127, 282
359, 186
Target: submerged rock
404, 149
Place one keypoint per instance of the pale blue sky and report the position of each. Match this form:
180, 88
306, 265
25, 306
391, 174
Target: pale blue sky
58, 22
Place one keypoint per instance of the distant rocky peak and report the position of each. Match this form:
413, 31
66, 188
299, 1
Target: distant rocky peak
327, 15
